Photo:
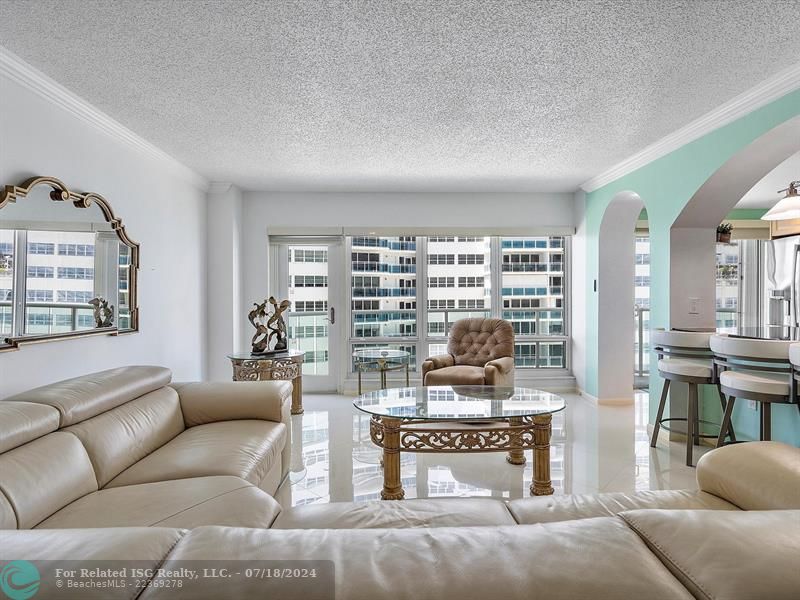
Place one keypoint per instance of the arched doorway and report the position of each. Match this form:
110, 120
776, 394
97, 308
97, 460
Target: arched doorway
615, 290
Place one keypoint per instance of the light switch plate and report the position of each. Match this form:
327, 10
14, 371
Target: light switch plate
694, 306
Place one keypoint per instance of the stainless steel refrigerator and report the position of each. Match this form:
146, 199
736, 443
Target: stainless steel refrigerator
781, 282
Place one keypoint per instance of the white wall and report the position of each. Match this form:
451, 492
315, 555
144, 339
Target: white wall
692, 274
161, 209
317, 212
615, 289
224, 283
578, 282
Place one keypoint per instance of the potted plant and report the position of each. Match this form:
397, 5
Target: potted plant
724, 233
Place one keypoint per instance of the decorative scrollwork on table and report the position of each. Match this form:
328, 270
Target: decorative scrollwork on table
452, 440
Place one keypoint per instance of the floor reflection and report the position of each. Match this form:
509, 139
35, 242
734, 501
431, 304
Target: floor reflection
593, 449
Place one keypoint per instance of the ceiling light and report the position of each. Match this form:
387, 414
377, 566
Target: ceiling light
789, 207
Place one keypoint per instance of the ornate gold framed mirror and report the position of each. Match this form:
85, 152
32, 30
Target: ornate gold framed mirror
64, 273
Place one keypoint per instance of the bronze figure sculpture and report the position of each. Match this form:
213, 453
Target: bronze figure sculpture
103, 313
275, 326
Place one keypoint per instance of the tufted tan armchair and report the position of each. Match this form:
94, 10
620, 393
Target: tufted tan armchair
479, 352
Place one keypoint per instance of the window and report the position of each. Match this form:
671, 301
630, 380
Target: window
40, 272
310, 306
534, 300
441, 282
41, 248
310, 281
76, 249
391, 310
458, 273
39, 295
642, 259
74, 297
641, 280
441, 259
470, 282
470, 259
75, 273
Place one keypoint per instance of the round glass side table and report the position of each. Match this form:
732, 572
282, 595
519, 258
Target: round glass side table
381, 360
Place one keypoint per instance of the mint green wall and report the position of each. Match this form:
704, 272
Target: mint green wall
666, 185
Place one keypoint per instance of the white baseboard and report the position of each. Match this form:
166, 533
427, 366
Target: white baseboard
594, 400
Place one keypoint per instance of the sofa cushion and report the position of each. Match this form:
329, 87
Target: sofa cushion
753, 476
436, 512
8, 519
181, 503
123, 435
459, 375
209, 402
89, 395
23, 422
547, 509
592, 558
739, 555
246, 449
45, 475
88, 548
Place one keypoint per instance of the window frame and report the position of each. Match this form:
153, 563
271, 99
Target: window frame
422, 340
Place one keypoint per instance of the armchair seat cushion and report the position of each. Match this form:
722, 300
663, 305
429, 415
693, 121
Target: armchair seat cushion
458, 375
756, 381
182, 503
246, 449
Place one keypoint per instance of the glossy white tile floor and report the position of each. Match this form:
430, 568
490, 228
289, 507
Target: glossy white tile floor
593, 449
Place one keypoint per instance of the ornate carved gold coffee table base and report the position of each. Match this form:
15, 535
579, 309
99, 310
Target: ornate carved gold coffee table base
513, 435
287, 367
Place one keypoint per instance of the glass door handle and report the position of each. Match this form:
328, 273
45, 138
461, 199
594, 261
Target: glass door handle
332, 318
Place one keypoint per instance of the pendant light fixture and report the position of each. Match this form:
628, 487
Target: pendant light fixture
788, 207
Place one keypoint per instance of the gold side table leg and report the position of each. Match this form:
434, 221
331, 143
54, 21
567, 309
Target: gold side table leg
542, 429
407, 380
392, 485
358, 368
297, 395
517, 455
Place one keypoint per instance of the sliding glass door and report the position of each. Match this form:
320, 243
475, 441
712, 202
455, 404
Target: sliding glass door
309, 272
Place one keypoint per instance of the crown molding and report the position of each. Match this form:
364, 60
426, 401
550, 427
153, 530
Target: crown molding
17, 70
765, 92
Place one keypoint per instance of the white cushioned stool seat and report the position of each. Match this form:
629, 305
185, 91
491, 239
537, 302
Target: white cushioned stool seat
756, 381
689, 367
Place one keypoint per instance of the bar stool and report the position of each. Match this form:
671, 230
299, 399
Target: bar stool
756, 370
685, 357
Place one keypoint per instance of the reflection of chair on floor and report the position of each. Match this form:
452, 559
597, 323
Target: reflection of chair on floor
479, 352
484, 471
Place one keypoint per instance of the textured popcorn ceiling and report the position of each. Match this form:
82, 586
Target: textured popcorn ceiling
403, 95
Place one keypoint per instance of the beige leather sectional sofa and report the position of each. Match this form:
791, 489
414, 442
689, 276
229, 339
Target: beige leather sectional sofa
124, 465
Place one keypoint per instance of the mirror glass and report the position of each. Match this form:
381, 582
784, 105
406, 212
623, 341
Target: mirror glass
57, 263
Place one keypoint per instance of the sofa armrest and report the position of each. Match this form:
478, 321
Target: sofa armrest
500, 371
208, 402
753, 475
437, 362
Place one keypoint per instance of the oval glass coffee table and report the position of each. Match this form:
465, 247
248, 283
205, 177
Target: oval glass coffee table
462, 418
